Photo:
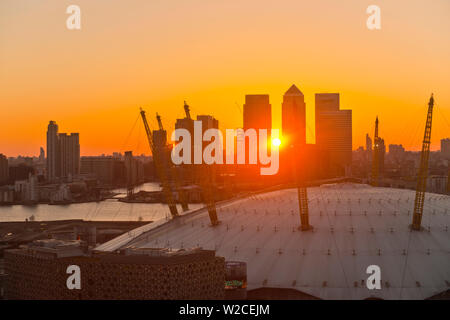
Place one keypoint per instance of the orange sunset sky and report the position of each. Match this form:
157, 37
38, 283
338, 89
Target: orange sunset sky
157, 53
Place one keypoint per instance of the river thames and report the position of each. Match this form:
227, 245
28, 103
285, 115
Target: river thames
108, 210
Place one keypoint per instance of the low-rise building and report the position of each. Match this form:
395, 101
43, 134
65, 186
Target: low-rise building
107, 170
39, 271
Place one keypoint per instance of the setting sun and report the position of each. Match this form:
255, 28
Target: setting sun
276, 142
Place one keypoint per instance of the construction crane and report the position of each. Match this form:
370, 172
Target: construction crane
160, 168
181, 192
186, 110
423, 170
376, 157
160, 125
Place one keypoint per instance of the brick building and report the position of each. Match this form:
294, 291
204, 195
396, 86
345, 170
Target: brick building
38, 271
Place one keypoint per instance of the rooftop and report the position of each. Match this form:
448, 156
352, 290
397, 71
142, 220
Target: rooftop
355, 226
293, 90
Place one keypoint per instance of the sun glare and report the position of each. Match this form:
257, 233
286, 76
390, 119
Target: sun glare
276, 142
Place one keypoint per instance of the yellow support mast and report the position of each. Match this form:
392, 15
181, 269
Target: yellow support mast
303, 208
300, 183
207, 182
423, 170
208, 173
181, 192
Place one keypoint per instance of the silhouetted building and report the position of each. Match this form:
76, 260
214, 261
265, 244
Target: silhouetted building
53, 154
70, 154
107, 170
294, 157
257, 112
334, 131
134, 170
19, 172
396, 148
208, 122
396, 152
257, 115
4, 170
162, 152
303, 164
185, 123
368, 143
63, 153
381, 155
445, 148
294, 117
160, 139
368, 148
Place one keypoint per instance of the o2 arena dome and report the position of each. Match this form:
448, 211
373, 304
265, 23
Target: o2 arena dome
354, 226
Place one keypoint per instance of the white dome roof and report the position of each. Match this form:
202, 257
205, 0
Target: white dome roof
354, 226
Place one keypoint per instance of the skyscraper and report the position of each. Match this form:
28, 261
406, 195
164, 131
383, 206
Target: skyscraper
257, 112
368, 143
208, 122
69, 154
130, 170
3, 169
134, 170
368, 148
63, 153
381, 155
160, 139
334, 130
257, 115
294, 117
53, 159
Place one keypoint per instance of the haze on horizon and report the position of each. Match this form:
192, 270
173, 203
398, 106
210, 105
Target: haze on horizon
155, 54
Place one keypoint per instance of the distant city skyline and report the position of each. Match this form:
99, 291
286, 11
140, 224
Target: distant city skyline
332, 100
156, 54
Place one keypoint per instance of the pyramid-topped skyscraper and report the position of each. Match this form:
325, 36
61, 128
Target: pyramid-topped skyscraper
294, 117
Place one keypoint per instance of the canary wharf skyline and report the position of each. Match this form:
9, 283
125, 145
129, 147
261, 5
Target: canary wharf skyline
156, 54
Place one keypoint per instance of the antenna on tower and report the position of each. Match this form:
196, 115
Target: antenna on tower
376, 157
